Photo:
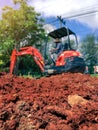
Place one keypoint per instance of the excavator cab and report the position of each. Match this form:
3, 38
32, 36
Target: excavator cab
66, 35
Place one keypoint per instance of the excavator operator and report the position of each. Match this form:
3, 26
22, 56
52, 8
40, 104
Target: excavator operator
57, 50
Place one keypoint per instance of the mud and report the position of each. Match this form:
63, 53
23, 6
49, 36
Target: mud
60, 102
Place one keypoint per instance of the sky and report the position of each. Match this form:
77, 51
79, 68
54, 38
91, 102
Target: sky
80, 16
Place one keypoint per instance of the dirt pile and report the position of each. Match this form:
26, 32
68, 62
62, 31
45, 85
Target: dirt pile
60, 102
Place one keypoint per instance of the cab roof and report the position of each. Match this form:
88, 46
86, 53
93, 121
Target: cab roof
61, 32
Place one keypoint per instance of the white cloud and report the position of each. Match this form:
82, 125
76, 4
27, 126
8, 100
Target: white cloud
48, 28
90, 20
66, 8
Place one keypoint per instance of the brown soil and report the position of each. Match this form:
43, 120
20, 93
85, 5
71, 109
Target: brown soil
60, 102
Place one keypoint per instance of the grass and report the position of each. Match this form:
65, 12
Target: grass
94, 75
36, 76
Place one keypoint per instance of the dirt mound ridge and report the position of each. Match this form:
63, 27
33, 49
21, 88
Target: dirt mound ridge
60, 102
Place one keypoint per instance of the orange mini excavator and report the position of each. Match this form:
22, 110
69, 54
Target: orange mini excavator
69, 60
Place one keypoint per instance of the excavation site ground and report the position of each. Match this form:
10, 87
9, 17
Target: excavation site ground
67, 101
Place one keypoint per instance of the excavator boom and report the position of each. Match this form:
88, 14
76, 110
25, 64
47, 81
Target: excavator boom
24, 51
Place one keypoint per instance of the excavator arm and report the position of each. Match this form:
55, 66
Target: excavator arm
38, 58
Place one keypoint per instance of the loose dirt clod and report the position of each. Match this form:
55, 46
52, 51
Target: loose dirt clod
76, 100
60, 102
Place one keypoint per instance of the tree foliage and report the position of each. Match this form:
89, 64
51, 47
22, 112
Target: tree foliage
19, 26
89, 51
22, 23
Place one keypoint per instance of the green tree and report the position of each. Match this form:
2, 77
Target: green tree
22, 23
89, 51
19, 27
